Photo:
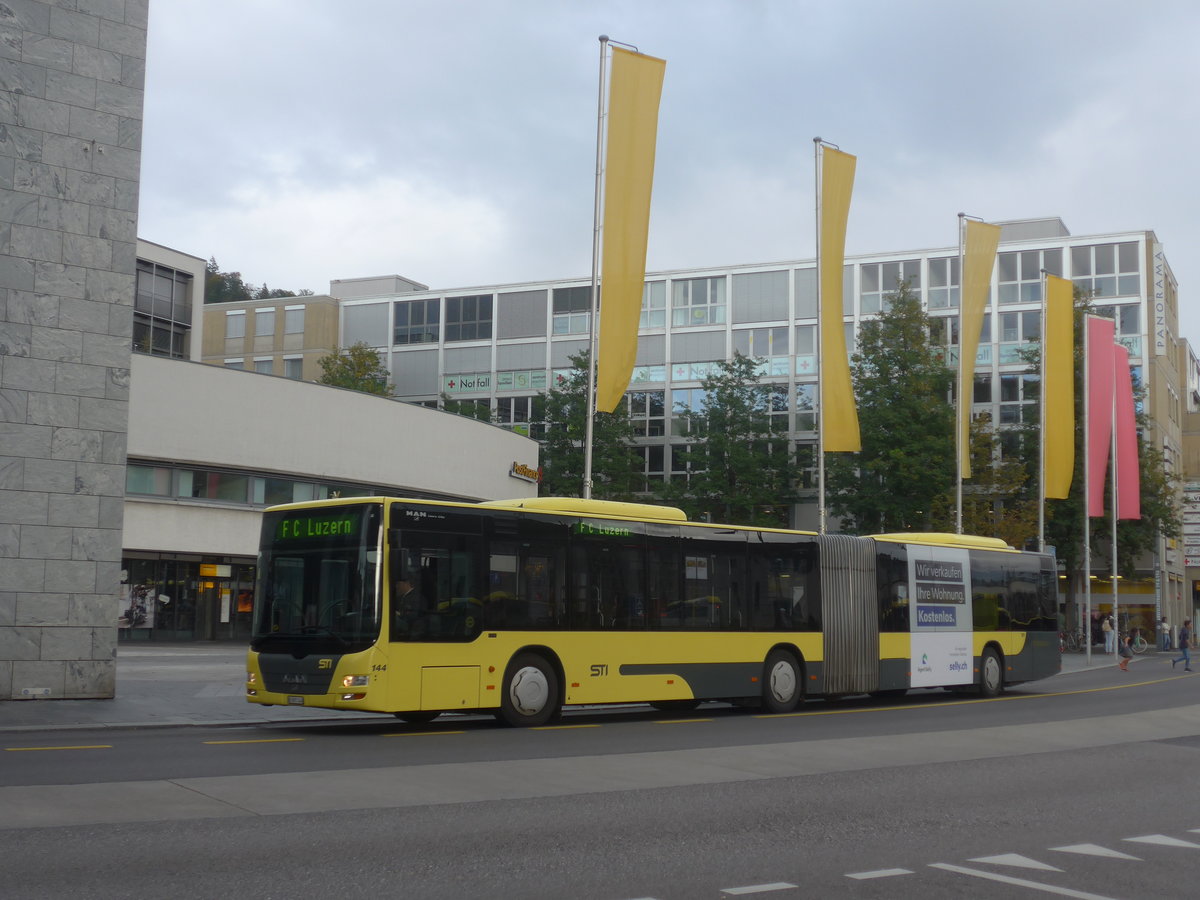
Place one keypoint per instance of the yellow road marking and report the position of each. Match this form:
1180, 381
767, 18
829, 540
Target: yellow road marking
258, 741
562, 727
83, 747
680, 721
419, 733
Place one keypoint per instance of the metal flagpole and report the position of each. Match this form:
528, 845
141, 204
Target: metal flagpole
1116, 615
593, 341
820, 362
1087, 481
1042, 426
958, 418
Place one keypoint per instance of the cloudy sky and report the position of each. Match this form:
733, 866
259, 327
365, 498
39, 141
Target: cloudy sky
453, 141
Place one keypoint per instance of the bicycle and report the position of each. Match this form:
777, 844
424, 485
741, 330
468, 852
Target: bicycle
1139, 644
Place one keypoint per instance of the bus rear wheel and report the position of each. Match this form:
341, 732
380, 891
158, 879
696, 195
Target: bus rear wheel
417, 717
782, 687
531, 693
991, 674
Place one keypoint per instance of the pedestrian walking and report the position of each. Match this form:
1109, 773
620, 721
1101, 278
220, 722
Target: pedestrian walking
1109, 635
1185, 641
1125, 652
1164, 633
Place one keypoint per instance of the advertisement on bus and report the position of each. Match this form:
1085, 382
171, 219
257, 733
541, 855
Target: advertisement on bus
939, 580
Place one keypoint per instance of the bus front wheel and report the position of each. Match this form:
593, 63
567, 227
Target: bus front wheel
991, 674
531, 694
782, 688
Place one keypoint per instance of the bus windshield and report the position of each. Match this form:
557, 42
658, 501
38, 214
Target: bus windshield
318, 580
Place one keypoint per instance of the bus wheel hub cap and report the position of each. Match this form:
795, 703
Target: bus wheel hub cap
783, 681
529, 690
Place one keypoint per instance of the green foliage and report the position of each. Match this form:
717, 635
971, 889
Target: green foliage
358, 368
899, 479
616, 469
740, 471
228, 287
474, 409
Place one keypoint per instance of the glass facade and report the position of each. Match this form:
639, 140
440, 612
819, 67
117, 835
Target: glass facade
162, 311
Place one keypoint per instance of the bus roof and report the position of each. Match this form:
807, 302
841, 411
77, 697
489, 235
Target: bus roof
940, 539
580, 507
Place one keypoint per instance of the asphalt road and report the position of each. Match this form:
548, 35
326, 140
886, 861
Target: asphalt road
1079, 786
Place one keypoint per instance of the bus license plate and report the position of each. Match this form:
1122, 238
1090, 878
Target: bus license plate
294, 700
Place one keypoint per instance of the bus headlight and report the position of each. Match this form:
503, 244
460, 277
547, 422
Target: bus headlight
251, 678
355, 681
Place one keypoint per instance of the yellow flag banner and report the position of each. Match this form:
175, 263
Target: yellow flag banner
1059, 387
979, 256
839, 415
634, 94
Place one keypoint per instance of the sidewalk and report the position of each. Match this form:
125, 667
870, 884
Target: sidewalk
203, 684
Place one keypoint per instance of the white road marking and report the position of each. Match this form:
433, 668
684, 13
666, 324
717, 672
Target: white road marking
759, 888
1162, 840
1096, 850
1020, 882
878, 873
1016, 859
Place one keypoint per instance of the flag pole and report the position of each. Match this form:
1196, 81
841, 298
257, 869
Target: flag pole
1115, 470
958, 417
817, 142
593, 337
1087, 482
1042, 423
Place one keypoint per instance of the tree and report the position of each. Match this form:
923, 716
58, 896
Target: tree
740, 468
358, 368
228, 287
997, 499
616, 469
907, 425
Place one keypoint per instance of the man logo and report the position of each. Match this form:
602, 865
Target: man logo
294, 678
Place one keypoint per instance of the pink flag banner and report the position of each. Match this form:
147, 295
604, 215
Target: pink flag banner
1129, 495
1101, 353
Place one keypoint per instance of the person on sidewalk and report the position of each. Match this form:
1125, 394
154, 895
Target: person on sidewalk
1164, 631
1109, 635
1125, 652
1185, 642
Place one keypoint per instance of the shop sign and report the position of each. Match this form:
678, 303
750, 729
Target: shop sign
1160, 302
1191, 528
210, 570
1192, 562
525, 473
458, 384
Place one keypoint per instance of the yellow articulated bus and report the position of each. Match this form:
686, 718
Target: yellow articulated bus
415, 608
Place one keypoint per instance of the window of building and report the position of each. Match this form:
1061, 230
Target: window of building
653, 461
1018, 399
153, 480
698, 301
684, 403
648, 374
879, 280
775, 403
235, 324
264, 366
806, 349
235, 364
769, 344
647, 412
572, 310
1017, 329
943, 283
264, 322
686, 460
1106, 270
417, 321
293, 320
524, 415
654, 305
1020, 274
806, 407
293, 367
1127, 318
162, 311
469, 318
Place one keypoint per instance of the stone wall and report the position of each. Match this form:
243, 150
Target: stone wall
71, 83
